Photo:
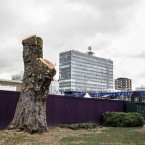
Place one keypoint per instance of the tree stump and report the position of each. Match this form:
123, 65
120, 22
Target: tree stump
30, 114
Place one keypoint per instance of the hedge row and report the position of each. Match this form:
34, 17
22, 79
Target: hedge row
122, 119
78, 126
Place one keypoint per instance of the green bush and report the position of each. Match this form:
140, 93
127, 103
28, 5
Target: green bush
78, 126
123, 119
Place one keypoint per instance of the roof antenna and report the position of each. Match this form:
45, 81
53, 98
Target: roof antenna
90, 51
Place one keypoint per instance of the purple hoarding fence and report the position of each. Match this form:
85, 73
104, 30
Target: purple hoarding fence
61, 109
8, 101
67, 110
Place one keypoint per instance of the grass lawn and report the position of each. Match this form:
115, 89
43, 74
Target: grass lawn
60, 136
108, 136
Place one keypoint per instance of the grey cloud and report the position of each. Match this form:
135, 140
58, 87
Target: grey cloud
113, 14
141, 75
62, 24
8, 18
106, 5
10, 60
106, 17
140, 55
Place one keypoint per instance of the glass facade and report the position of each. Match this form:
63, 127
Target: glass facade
82, 72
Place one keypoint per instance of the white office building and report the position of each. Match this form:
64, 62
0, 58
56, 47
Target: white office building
84, 72
54, 87
141, 88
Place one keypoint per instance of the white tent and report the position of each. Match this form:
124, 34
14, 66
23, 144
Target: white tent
87, 96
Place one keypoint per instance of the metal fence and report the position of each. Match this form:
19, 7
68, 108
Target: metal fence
136, 107
61, 109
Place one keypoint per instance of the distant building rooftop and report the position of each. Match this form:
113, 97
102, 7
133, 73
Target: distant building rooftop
13, 81
10, 85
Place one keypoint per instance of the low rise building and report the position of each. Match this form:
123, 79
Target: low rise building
54, 87
10, 85
123, 84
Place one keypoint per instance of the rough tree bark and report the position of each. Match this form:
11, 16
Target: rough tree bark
30, 114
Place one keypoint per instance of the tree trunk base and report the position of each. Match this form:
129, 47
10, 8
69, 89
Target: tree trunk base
30, 114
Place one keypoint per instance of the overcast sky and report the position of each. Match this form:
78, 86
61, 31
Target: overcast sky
115, 29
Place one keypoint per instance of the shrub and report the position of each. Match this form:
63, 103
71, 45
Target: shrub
123, 119
78, 126
87, 125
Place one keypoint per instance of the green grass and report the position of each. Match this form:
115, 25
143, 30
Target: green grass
109, 136
62, 136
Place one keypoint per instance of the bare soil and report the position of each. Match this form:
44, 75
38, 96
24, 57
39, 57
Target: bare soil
142, 130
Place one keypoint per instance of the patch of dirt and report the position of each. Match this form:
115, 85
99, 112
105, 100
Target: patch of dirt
142, 130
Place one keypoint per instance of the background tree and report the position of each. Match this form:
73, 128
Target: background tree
30, 114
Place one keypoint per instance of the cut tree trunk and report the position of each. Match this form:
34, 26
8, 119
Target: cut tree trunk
30, 114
